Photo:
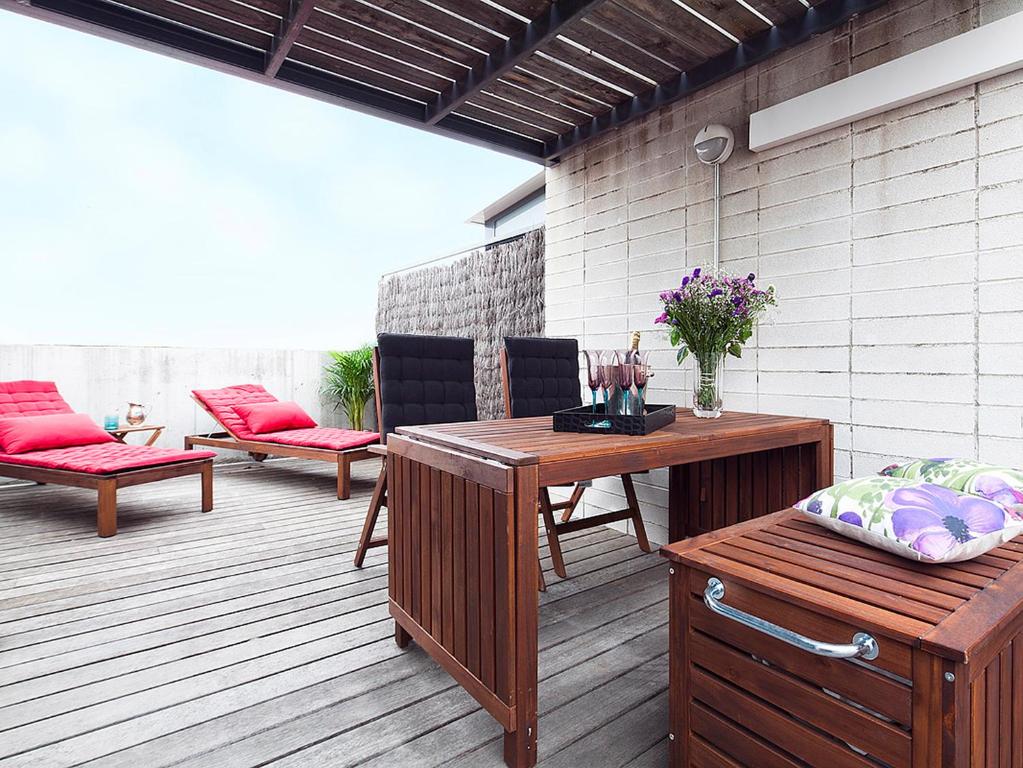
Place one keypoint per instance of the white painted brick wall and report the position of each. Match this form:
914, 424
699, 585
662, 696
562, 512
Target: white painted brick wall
896, 245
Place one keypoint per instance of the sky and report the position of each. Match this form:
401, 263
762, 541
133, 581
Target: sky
147, 201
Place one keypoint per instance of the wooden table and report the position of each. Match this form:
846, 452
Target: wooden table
462, 527
123, 431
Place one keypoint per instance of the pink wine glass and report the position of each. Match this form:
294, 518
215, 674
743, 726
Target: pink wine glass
641, 368
624, 372
606, 375
594, 380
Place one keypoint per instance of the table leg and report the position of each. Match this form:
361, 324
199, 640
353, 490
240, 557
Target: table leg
401, 636
678, 528
520, 744
155, 436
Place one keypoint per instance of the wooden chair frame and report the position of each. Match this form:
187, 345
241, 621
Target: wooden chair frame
567, 524
107, 485
259, 450
379, 498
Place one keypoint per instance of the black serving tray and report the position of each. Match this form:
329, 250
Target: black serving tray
585, 419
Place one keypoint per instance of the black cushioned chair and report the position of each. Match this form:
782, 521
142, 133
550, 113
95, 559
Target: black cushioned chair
418, 380
541, 376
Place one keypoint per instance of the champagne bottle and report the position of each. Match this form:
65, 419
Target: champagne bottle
633, 356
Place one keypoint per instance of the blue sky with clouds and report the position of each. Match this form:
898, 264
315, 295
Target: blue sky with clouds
149, 201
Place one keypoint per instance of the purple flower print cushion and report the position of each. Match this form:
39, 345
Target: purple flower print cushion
937, 520
916, 519
1002, 485
998, 490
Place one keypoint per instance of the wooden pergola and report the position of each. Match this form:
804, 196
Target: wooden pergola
532, 78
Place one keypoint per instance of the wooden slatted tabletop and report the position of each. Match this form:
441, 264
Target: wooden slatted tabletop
518, 442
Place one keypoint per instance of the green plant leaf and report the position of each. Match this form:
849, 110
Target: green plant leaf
735, 350
683, 353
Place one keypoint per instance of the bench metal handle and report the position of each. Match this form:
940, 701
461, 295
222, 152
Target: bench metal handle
863, 646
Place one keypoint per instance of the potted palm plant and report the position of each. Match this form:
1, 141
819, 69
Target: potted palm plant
348, 382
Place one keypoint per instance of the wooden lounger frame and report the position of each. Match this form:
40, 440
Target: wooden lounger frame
259, 450
107, 484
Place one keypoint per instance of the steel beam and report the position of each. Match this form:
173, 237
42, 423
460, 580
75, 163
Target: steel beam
515, 50
299, 12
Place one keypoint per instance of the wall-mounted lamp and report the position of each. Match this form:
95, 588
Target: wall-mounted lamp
714, 144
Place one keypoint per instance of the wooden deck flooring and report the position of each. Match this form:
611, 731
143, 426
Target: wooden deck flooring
245, 637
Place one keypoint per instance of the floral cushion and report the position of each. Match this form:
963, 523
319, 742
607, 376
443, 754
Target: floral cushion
915, 519
1000, 484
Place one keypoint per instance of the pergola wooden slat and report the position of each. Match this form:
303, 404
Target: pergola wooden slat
361, 56
618, 47
532, 78
329, 24
613, 19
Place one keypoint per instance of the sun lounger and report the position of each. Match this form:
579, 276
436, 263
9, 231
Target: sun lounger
337, 446
105, 465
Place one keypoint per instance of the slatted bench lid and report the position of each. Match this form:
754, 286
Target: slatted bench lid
953, 610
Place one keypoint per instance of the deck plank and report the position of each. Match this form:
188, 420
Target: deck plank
246, 637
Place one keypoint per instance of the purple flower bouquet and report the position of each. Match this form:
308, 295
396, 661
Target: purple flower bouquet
709, 316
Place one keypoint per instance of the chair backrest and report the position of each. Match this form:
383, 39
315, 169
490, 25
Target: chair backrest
424, 380
30, 398
540, 375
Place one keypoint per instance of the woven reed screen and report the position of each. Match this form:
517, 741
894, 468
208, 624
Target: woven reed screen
486, 295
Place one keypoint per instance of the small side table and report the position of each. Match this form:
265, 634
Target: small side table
124, 430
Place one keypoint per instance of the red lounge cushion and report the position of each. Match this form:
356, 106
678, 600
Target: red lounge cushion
22, 434
323, 437
103, 459
261, 418
221, 402
30, 398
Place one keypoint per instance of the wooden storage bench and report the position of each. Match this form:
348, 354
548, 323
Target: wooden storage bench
945, 687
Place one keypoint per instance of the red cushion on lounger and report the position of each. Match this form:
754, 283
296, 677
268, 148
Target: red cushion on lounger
103, 459
261, 418
323, 437
22, 434
221, 403
30, 398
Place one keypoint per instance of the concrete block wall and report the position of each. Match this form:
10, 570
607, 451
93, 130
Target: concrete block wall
95, 379
895, 244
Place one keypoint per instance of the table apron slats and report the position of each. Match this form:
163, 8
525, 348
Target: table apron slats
459, 529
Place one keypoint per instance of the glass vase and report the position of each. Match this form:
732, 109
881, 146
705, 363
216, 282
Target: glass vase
707, 385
